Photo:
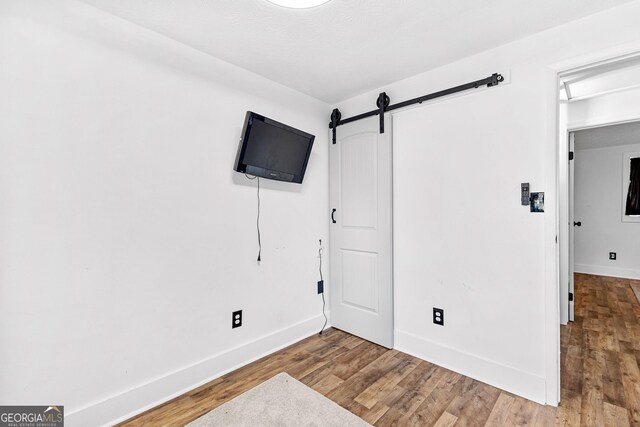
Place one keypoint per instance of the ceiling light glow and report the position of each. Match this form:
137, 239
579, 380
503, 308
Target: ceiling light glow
298, 4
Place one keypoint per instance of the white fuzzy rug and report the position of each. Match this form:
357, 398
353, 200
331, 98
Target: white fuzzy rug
280, 401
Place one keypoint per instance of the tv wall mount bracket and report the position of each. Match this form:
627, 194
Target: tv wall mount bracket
384, 102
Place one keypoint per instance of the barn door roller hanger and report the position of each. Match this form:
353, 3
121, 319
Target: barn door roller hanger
383, 102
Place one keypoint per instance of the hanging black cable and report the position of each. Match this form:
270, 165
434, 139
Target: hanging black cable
258, 216
322, 293
258, 223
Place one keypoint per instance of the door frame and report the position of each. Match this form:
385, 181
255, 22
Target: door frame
555, 153
571, 217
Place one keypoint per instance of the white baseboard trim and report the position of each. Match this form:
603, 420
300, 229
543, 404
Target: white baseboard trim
141, 398
601, 270
513, 380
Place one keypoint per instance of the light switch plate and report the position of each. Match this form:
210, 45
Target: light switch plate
524, 193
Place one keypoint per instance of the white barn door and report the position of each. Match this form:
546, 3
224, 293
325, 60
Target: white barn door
361, 230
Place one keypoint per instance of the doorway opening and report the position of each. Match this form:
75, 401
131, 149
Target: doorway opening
601, 105
599, 124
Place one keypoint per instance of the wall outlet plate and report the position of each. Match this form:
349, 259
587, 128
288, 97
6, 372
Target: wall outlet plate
612, 256
236, 319
438, 316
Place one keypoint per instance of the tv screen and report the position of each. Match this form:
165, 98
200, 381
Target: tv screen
273, 150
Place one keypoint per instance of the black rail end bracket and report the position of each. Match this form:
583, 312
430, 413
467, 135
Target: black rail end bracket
495, 79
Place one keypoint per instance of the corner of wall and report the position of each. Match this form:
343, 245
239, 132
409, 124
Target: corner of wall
505, 377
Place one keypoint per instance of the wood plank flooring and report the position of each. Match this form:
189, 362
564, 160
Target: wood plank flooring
600, 376
599, 355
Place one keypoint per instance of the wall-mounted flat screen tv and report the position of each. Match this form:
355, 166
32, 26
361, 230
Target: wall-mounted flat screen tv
273, 150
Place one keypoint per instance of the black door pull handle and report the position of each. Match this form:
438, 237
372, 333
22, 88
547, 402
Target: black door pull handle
332, 218
578, 224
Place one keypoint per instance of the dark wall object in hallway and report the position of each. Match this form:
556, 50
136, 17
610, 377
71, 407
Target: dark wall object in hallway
633, 195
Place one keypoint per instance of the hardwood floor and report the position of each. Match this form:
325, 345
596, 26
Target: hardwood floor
600, 376
600, 352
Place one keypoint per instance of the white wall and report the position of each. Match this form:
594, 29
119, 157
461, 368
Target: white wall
598, 204
126, 240
462, 241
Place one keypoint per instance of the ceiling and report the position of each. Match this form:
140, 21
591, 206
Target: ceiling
347, 47
608, 136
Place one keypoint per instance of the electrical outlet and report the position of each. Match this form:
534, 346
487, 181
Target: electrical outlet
438, 316
612, 256
320, 286
236, 319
